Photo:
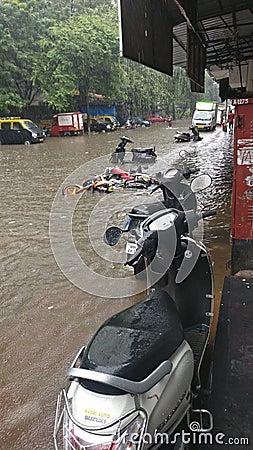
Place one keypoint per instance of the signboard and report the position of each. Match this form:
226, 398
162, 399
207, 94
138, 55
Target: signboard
65, 120
242, 196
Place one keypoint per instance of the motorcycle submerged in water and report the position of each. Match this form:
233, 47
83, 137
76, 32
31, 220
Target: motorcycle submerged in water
134, 178
113, 178
140, 155
137, 379
187, 137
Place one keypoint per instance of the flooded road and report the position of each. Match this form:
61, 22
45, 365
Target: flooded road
46, 318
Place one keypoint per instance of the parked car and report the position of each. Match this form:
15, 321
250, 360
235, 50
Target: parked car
157, 119
140, 122
109, 120
14, 130
134, 122
98, 125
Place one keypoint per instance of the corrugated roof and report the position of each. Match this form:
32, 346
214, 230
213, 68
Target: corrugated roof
223, 28
227, 38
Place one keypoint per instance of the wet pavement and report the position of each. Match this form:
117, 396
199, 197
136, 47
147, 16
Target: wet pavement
45, 318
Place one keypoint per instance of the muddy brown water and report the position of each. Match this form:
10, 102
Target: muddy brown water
45, 318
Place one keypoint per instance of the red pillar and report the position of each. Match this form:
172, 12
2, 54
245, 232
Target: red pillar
242, 193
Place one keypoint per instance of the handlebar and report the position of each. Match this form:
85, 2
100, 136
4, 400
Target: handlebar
210, 213
186, 173
155, 188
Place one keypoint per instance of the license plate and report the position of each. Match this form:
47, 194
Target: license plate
200, 126
131, 248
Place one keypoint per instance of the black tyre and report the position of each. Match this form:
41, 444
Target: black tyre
114, 158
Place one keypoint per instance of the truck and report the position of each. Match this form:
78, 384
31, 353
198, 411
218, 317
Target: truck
205, 115
67, 124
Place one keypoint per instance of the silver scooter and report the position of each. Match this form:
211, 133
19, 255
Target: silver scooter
136, 380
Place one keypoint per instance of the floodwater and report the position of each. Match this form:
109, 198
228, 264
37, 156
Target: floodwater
45, 318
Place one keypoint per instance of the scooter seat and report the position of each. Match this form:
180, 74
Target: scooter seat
132, 343
142, 150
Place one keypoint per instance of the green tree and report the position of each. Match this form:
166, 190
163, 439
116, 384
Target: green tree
148, 91
79, 6
22, 23
61, 48
79, 56
144, 89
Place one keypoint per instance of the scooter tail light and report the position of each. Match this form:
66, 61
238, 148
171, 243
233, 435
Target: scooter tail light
76, 443
126, 439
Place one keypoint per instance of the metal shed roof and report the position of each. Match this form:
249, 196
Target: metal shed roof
194, 34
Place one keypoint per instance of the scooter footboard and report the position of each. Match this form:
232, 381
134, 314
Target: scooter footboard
197, 338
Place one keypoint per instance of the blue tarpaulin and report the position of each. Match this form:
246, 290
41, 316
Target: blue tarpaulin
100, 110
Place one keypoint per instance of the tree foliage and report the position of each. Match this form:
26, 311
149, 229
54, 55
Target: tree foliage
56, 49
79, 56
22, 23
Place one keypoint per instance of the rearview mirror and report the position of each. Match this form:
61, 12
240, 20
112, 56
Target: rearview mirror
200, 183
112, 235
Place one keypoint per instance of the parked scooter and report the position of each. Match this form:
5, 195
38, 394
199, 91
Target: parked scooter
139, 375
187, 137
140, 155
146, 155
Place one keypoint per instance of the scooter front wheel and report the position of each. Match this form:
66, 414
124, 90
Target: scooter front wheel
113, 158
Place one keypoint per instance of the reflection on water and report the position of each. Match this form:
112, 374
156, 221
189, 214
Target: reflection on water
45, 319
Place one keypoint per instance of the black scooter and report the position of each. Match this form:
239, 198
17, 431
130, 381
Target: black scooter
187, 137
177, 193
140, 155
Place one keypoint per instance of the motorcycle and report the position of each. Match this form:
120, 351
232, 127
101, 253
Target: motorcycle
139, 376
114, 178
92, 183
140, 155
176, 194
187, 137
132, 178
